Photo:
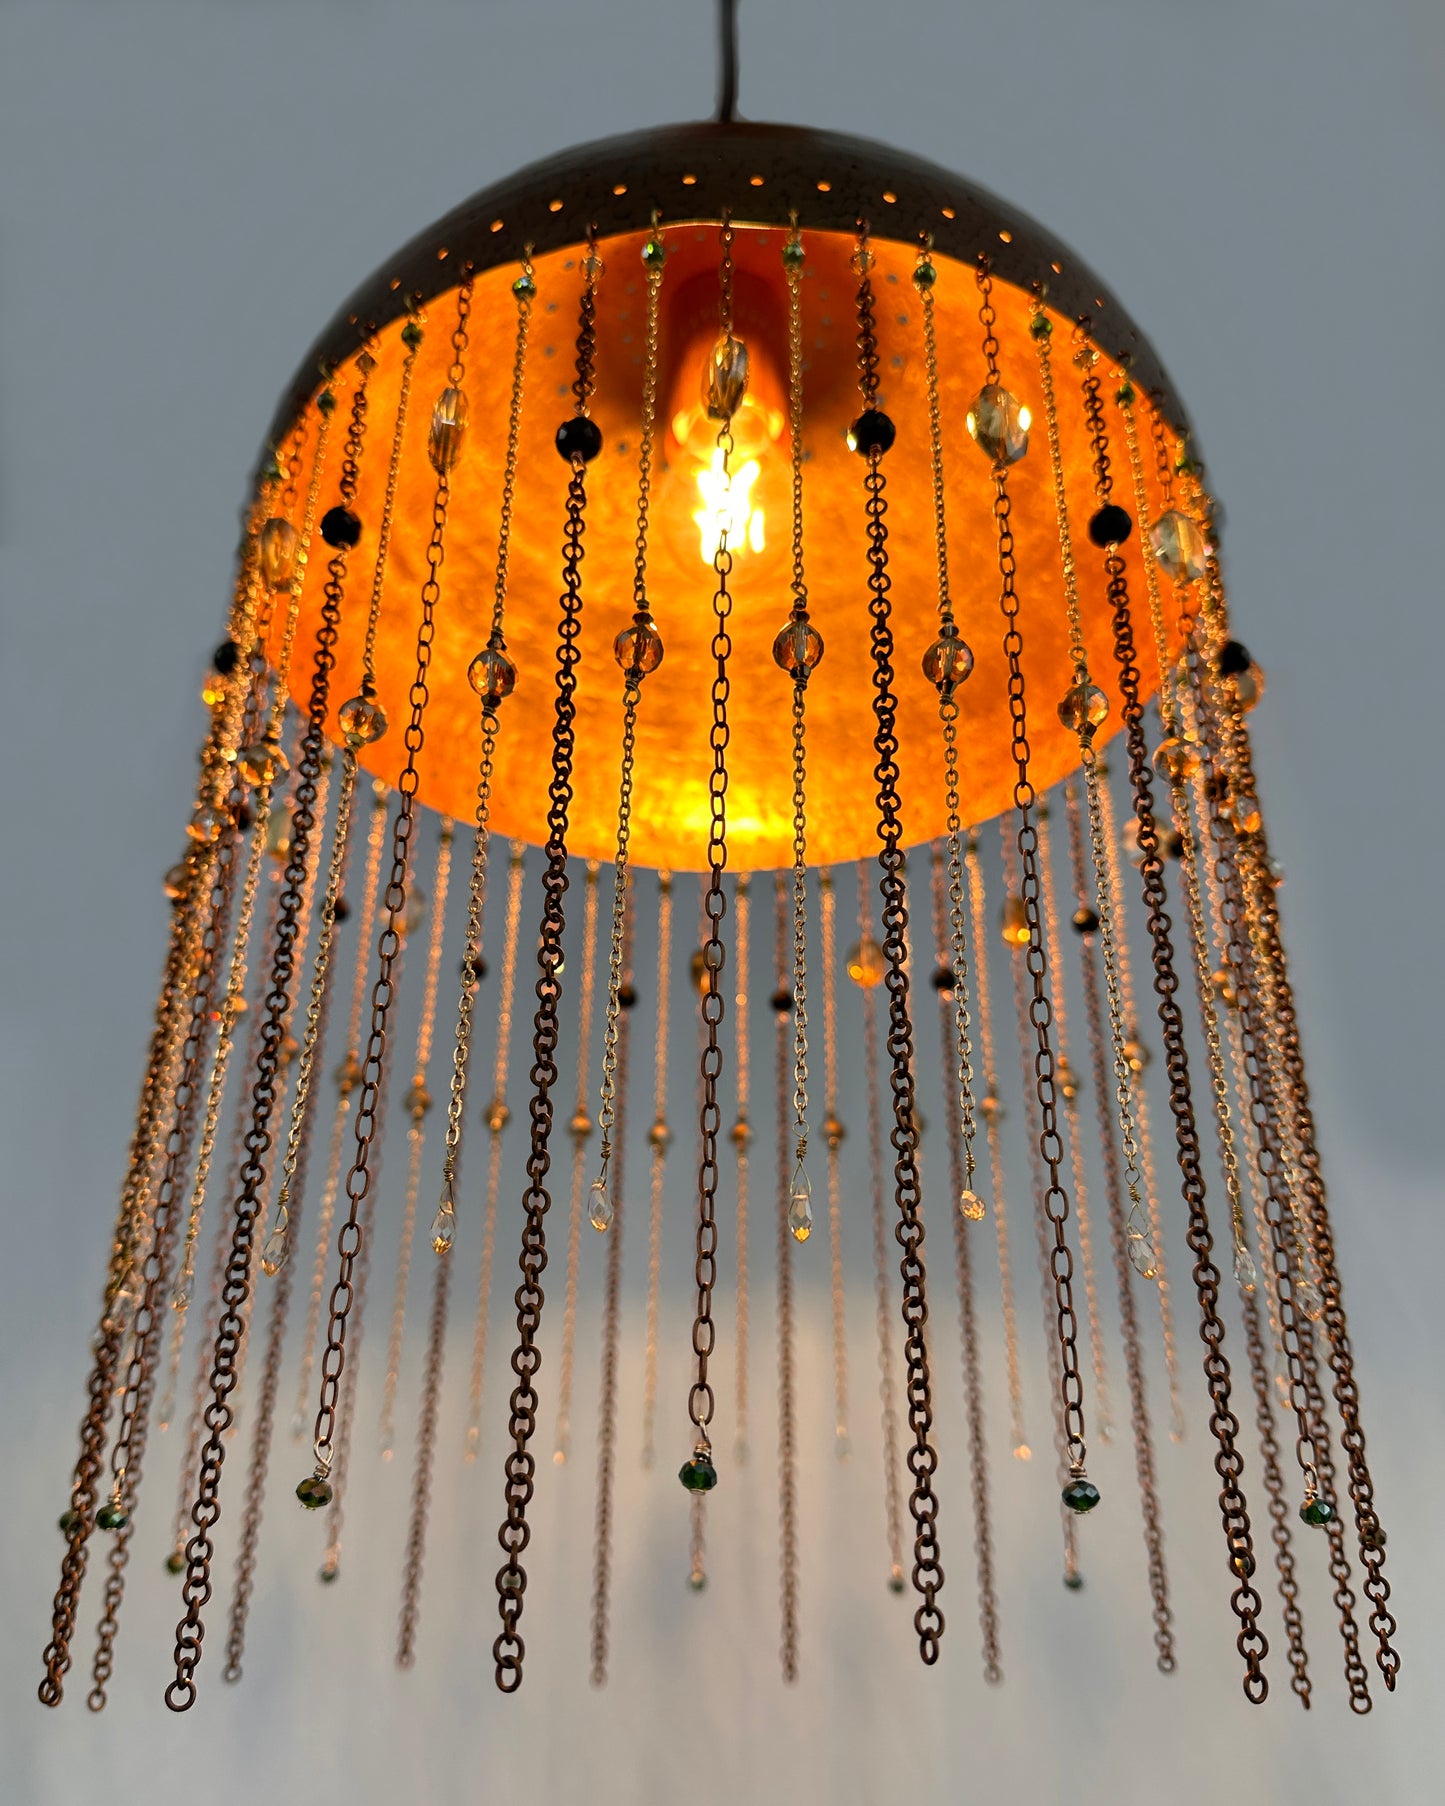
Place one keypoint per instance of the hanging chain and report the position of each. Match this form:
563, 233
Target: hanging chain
611, 1333
659, 1138
1224, 1425
993, 1123
787, 1437
1118, 1225
319, 1491
742, 1143
578, 439
887, 1382
1070, 1087
417, 1103
1055, 1199
833, 1132
496, 1116
922, 1458
580, 1128
967, 1319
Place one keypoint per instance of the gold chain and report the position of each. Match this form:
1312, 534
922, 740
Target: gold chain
833, 1132
659, 1137
742, 1143
580, 1128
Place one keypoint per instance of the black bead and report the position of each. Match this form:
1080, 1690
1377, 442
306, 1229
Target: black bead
1086, 921
340, 528
782, 1001
1110, 525
226, 657
1171, 843
626, 997
342, 910
579, 437
871, 432
943, 979
242, 817
1232, 660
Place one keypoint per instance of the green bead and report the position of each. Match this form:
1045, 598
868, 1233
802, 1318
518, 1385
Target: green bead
326, 402
896, 1580
69, 1521
1124, 395
699, 1474
924, 275
411, 335
111, 1516
1316, 1513
1040, 327
176, 1562
327, 1572
314, 1492
1081, 1495
271, 469
794, 256
525, 286
1074, 1581
654, 254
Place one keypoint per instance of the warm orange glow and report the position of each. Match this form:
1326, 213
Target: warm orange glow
727, 508
670, 806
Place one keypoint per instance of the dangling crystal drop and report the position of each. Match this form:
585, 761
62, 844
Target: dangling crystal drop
277, 1247
725, 381
600, 1212
277, 553
800, 1205
1141, 1255
443, 1226
971, 1206
448, 429
999, 424
1245, 1273
1084, 709
1014, 922
181, 1291
1307, 1297
865, 964
1179, 546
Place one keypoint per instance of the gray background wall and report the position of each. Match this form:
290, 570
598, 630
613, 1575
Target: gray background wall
188, 190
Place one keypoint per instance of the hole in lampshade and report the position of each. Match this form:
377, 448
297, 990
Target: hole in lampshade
442, 253
689, 181
825, 188
1098, 300
890, 197
755, 181
948, 213
1057, 268
554, 206
496, 225
1006, 236
395, 282
619, 188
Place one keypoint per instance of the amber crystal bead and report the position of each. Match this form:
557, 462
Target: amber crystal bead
638, 648
725, 378
1014, 922
948, 662
1084, 709
492, 675
276, 551
798, 648
362, 721
448, 430
1177, 758
998, 424
865, 964
1179, 546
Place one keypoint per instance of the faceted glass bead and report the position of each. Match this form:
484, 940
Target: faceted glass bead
948, 662
1137, 1054
579, 437
600, 1211
418, 1099
1177, 758
1084, 710
580, 1126
340, 528
638, 648
1085, 920
865, 964
1246, 813
925, 274
794, 255
277, 1246
1074, 1581
492, 675
448, 429
781, 1002
999, 424
278, 834
1223, 987
1307, 1298
654, 254
181, 1291
1014, 922
991, 1108
1246, 1274
1081, 1495
1141, 1255
362, 721
262, 763
873, 431
725, 379
1068, 1081
1315, 1512
524, 287
276, 553
206, 825
443, 1228
348, 1075
226, 658
971, 1206
800, 1205
742, 1133
659, 1136
1179, 546
112, 1516
1231, 659
497, 1115
697, 1580
1109, 526
798, 648
176, 1562
411, 335
698, 1474
68, 1521
176, 880
1249, 687
314, 1492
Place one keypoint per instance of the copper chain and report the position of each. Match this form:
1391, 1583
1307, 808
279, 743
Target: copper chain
787, 1408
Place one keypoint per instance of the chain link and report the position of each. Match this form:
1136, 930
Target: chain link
787, 1402
659, 1140
833, 1133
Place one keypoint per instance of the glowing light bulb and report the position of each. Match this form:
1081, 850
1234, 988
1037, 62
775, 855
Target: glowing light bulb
727, 507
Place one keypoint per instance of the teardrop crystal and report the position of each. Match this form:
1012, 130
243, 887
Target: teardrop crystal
725, 380
800, 1205
865, 963
277, 1246
448, 429
1307, 1298
600, 1212
443, 1228
1141, 1255
277, 553
971, 1206
1245, 1273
